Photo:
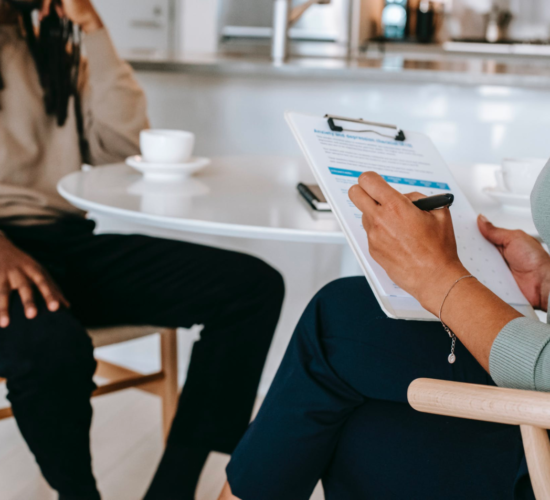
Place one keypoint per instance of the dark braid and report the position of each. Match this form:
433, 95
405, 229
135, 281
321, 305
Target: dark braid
56, 53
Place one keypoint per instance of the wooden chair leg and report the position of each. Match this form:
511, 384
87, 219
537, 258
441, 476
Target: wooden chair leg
537, 453
167, 380
5, 413
169, 366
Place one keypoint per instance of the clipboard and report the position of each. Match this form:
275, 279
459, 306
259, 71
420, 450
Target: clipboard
336, 169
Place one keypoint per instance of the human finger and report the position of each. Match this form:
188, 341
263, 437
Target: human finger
47, 288
45, 9
442, 215
367, 223
378, 189
415, 195
362, 200
5, 292
496, 235
22, 284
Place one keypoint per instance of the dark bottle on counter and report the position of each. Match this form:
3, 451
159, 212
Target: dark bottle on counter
425, 22
394, 19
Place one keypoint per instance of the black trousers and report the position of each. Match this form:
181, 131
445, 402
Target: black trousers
134, 280
338, 411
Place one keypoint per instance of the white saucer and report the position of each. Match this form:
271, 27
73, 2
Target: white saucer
508, 199
164, 172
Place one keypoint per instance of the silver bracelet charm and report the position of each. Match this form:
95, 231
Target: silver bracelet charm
452, 356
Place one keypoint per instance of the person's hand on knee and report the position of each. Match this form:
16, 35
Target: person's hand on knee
20, 272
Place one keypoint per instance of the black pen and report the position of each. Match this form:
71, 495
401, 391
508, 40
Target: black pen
435, 202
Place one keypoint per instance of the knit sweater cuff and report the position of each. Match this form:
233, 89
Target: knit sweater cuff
101, 54
516, 352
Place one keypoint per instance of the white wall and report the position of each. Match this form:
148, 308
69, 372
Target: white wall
145, 25
235, 115
198, 26
531, 17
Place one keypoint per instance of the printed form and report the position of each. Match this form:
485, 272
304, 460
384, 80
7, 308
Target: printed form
338, 159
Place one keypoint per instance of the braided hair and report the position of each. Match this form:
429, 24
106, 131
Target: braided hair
56, 51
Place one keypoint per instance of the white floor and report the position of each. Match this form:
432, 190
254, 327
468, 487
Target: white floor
126, 442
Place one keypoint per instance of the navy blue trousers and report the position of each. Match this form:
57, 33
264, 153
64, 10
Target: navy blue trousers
337, 411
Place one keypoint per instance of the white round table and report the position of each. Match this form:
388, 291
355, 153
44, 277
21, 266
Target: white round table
245, 196
248, 197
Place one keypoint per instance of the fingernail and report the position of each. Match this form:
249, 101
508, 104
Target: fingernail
483, 218
53, 306
4, 322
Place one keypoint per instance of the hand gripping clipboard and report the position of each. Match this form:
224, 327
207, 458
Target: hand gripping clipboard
398, 305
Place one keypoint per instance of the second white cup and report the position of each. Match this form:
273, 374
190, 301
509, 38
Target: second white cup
520, 174
166, 146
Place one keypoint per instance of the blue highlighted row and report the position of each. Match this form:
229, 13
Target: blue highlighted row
395, 180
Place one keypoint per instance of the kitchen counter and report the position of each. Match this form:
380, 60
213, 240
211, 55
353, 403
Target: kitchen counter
392, 66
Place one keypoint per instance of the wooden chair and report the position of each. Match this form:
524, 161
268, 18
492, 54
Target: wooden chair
528, 409
163, 383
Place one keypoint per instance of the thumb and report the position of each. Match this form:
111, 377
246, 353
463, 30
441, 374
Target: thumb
45, 9
414, 196
496, 235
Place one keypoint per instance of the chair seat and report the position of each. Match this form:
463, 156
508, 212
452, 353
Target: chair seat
118, 334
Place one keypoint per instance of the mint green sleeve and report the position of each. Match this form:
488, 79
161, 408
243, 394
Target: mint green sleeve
520, 356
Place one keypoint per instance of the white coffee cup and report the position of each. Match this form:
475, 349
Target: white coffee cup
166, 146
518, 175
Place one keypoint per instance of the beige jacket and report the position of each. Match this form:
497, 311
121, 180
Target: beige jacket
34, 152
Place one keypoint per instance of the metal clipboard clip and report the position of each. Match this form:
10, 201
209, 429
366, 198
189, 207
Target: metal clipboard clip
398, 136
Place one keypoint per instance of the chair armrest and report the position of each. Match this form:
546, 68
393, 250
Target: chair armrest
480, 402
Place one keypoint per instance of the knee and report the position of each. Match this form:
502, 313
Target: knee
261, 281
70, 354
344, 294
272, 280
338, 287
51, 347
338, 308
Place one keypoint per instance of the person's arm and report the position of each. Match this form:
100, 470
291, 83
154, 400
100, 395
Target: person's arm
418, 251
114, 105
520, 355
